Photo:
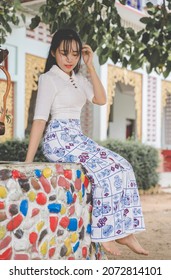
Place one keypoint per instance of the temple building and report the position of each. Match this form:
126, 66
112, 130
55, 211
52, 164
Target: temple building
138, 106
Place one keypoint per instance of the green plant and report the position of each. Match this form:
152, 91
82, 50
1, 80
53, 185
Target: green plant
16, 150
7, 114
143, 158
151, 46
9, 16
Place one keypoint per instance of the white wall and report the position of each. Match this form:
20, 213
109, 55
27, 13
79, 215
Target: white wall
124, 108
18, 45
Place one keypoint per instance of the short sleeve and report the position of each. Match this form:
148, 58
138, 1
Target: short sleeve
45, 97
87, 88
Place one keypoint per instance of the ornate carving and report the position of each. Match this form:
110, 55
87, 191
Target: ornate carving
166, 89
34, 66
116, 74
9, 105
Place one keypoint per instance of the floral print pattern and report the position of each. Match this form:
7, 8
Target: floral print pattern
116, 204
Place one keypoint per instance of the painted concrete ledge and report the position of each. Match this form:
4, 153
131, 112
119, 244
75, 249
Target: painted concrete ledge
45, 212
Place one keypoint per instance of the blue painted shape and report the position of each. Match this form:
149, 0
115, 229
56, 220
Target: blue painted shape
88, 228
78, 173
83, 190
75, 247
69, 197
38, 173
73, 224
54, 207
24, 207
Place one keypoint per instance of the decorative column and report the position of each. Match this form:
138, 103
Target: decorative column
34, 67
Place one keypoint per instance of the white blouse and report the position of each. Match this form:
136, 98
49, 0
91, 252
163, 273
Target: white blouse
61, 96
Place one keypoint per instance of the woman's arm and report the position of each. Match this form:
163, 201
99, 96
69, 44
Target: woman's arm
37, 129
99, 91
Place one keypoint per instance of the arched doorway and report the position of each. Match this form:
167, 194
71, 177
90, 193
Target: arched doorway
125, 99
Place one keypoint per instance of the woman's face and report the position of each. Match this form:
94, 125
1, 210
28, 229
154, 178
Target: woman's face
68, 58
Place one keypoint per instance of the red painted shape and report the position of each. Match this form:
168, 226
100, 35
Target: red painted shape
41, 198
71, 210
5, 242
51, 252
33, 237
80, 223
35, 211
78, 184
2, 205
64, 222
53, 223
15, 174
14, 222
59, 169
21, 257
68, 174
74, 197
86, 182
62, 182
45, 183
7, 254
84, 252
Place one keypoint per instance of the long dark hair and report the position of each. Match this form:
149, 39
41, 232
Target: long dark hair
66, 35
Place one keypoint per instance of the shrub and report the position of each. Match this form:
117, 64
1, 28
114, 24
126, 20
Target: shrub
143, 158
15, 150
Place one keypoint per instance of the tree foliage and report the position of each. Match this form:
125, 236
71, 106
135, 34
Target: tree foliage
8, 17
99, 25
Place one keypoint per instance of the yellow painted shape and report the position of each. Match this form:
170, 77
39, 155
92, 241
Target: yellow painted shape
47, 172
40, 225
31, 195
2, 232
44, 248
74, 237
82, 177
63, 210
3, 192
80, 196
67, 242
52, 242
69, 251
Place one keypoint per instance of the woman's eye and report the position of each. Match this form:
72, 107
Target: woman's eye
64, 53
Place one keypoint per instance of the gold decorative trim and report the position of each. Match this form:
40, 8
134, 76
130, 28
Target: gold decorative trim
116, 74
10, 107
166, 89
34, 66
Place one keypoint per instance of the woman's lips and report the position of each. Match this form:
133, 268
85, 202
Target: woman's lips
68, 66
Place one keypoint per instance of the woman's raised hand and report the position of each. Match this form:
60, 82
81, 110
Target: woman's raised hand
87, 55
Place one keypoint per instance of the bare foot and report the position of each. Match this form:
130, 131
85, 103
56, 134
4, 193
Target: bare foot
110, 247
133, 244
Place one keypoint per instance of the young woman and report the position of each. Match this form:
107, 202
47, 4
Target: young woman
62, 92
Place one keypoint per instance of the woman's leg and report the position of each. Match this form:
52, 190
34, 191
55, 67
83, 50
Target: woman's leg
117, 212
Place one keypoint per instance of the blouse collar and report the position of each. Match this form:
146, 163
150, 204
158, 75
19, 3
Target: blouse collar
62, 74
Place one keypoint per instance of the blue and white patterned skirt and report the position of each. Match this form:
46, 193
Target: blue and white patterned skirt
116, 204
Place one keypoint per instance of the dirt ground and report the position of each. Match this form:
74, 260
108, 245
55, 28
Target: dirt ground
157, 237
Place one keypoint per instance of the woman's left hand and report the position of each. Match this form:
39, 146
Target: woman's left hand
87, 55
